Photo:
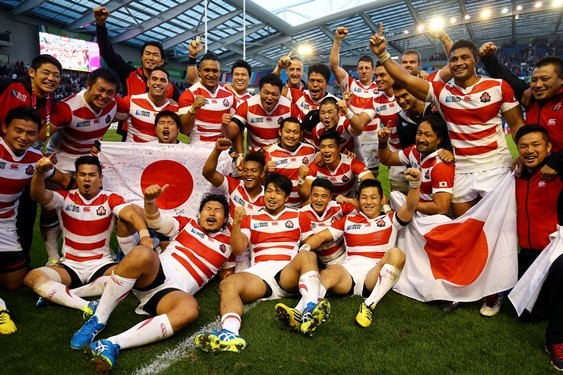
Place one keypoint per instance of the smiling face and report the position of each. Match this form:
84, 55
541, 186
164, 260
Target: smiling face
320, 198
533, 149
158, 84
20, 135
166, 130
212, 216
370, 202
290, 135
382, 79
294, 73
100, 94
330, 152
545, 82
329, 115
252, 174
89, 180
274, 199
410, 62
317, 86
462, 64
426, 140
209, 71
45, 79
406, 101
269, 96
151, 58
240, 80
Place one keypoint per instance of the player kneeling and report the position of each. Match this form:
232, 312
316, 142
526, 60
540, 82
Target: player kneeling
164, 283
373, 265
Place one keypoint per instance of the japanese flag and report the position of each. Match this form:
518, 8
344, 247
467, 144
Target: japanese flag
128, 168
464, 259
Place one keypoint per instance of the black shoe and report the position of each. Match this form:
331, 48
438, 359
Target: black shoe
449, 306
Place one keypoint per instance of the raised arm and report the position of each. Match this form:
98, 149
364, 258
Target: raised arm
163, 225
407, 210
210, 167
188, 115
239, 241
386, 156
38, 191
416, 86
515, 119
195, 47
339, 73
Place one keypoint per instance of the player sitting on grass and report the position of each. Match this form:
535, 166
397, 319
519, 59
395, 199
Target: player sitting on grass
276, 271
373, 265
165, 283
87, 216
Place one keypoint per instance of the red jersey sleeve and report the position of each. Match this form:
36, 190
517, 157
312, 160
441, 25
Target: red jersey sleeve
186, 99
295, 112
443, 176
115, 200
61, 115
358, 167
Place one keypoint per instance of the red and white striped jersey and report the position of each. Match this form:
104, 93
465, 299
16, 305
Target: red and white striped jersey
343, 177
473, 116
241, 98
273, 237
201, 253
263, 127
386, 109
87, 225
342, 128
79, 126
238, 196
367, 238
436, 176
303, 101
141, 112
15, 174
287, 164
208, 119
362, 96
333, 212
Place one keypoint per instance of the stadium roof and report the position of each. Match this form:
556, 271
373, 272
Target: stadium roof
273, 30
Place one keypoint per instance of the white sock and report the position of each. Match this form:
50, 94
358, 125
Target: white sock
126, 244
59, 293
116, 289
231, 322
3, 305
146, 332
388, 276
50, 233
310, 285
94, 289
322, 293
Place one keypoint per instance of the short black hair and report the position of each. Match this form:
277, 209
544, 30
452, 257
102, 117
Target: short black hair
242, 64
209, 197
45, 59
106, 74
323, 183
465, 44
440, 128
331, 134
329, 100
168, 113
88, 160
321, 69
532, 128
397, 86
23, 113
556, 61
156, 44
271, 79
256, 156
368, 183
292, 120
366, 58
160, 69
280, 181
209, 56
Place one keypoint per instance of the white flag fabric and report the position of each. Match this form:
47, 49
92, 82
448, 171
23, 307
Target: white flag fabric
128, 168
464, 259
527, 289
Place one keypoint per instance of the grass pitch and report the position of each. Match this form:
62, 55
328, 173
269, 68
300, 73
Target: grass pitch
406, 337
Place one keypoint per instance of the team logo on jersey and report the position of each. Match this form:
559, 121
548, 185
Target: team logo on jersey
268, 119
557, 106
485, 98
2, 165
197, 233
72, 208
541, 183
381, 108
305, 105
29, 170
260, 225
452, 99
333, 219
18, 95
427, 175
380, 223
289, 224
239, 200
442, 184
256, 120
313, 225
345, 178
83, 124
552, 121
14, 167
305, 160
225, 103
108, 119
142, 113
281, 161
86, 209
223, 248
353, 227
101, 211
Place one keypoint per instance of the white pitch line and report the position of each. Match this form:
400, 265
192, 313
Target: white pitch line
166, 359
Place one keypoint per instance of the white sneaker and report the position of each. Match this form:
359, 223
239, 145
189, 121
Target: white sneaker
491, 305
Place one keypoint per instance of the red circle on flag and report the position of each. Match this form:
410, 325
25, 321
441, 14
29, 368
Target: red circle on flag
457, 252
170, 172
